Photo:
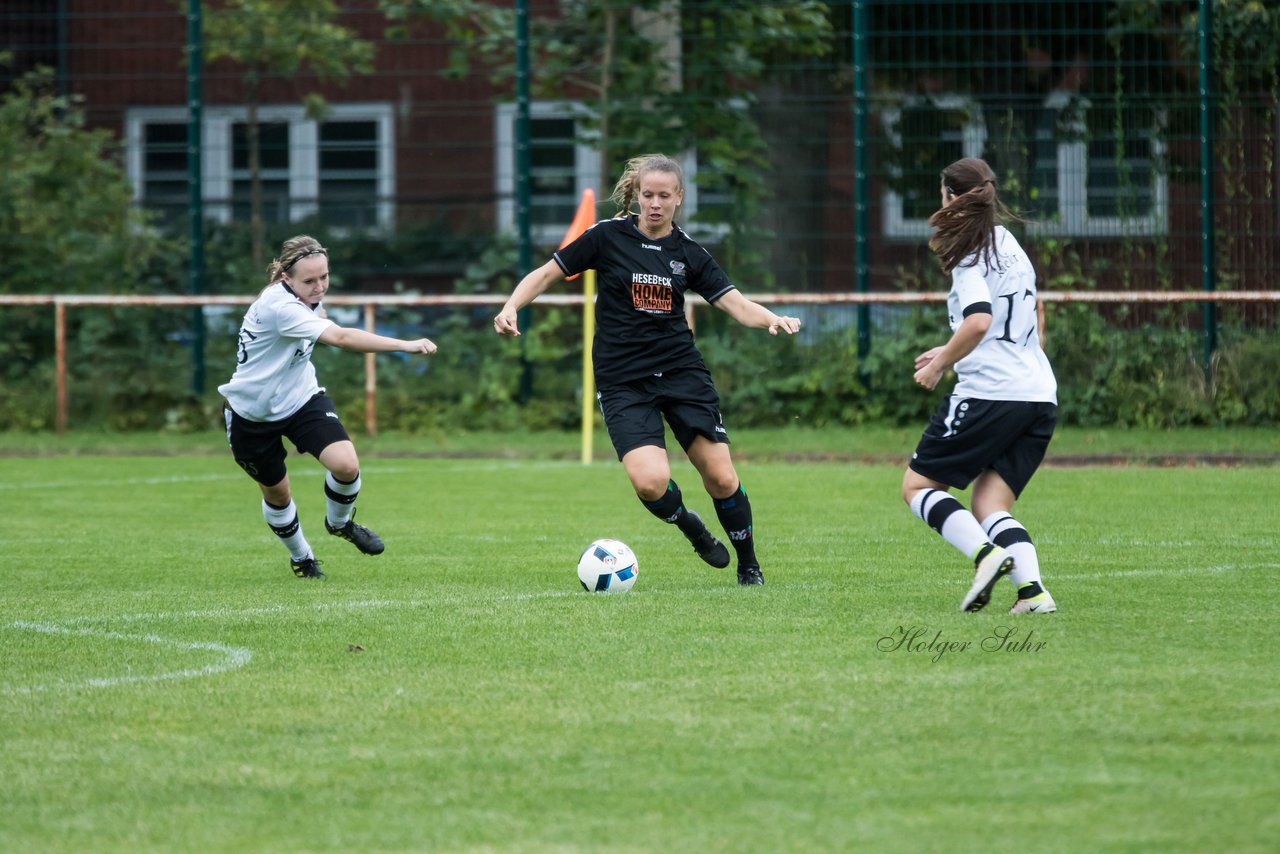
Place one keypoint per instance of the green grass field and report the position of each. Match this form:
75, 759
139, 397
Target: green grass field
167, 684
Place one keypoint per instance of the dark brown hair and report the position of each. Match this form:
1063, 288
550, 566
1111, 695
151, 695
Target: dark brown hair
967, 226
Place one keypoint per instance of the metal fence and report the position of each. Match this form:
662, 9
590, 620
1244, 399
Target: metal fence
810, 129
1137, 139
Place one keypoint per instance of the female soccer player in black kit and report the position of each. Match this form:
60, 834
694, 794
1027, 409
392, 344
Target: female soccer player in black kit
646, 364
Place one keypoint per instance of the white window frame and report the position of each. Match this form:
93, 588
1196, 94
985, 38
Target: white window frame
217, 174
1072, 173
973, 138
586, 173
699, 230
1073, 195
586, 165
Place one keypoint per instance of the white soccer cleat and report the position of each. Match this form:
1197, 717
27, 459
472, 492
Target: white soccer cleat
1041, 603
997, 564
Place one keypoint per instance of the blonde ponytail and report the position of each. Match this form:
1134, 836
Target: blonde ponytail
292, 251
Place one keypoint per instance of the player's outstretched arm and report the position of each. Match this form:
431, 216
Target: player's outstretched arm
756, 316
530, 288
367, 342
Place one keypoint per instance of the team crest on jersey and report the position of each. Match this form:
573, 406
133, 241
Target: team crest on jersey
677, 268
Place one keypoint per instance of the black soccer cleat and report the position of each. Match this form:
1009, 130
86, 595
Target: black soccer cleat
365, 540
707, 546
308, 567
750, 575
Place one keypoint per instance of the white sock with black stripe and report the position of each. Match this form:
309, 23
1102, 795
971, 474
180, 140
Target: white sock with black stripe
1008, 533
284, 524
940, 511
339, 498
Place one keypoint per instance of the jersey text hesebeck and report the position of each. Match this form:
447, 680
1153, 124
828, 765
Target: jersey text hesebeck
650, 292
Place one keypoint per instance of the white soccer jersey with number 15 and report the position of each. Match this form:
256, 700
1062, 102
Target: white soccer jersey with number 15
1009, 363
274, 375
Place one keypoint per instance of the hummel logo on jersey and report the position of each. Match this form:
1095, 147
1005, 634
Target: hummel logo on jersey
650, 246
331, 415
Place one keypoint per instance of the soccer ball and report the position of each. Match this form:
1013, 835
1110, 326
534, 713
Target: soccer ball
607, 566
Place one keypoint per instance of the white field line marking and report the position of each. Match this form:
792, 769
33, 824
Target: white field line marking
1193, 570
1157, 571
481, 465
130, 481
231, 613
453, 599
162, 480
236, 657
233, 657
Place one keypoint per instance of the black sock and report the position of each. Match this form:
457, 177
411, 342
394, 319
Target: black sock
735, 515
670, 509
1030, 589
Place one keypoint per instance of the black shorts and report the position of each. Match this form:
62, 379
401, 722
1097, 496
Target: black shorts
257, 447
633, 411
965, 437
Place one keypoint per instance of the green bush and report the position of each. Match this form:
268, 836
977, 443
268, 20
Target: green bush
131, 369
1151, 375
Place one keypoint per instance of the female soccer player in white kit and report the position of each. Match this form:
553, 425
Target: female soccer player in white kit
994, 427
274, 395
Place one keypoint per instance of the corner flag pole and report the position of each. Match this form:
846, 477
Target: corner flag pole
583, 220
588, 370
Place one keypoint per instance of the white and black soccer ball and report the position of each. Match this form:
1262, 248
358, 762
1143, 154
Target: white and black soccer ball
607, 566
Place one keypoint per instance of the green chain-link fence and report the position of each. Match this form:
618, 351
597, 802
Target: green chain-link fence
1137, 139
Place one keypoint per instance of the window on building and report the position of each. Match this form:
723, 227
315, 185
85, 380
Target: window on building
164, 159
349, 173
924, 135
1098, 169
561, 167
274, 154
1093, 171
341, 170
553, 176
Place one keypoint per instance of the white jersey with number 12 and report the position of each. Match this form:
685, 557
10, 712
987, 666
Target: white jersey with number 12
1009, 363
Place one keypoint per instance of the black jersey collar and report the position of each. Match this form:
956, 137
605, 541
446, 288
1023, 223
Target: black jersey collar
634, 221
285, 285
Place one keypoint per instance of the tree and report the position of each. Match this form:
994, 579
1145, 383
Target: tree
68, 226
655, 75
67, 221
280, 38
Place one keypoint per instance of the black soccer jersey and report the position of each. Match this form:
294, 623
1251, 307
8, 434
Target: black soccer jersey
640, 324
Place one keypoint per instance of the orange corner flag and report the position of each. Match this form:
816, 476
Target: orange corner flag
582, 220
